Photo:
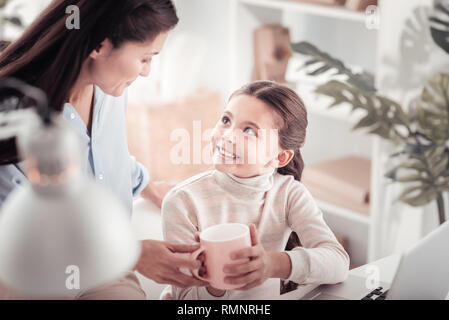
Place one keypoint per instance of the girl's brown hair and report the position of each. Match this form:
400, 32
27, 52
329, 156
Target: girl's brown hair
291, 109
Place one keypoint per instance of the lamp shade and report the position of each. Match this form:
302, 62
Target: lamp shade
62, 232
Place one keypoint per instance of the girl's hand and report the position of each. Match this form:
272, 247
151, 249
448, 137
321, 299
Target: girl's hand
254, 272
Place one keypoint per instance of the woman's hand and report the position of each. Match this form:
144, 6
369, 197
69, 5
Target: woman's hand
156, 191
254, 272
159, 262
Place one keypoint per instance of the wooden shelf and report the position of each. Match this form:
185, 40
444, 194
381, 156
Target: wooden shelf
329, 208
310, 8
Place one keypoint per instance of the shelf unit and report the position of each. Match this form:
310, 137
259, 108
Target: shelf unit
344, 213
309, 8
307, 21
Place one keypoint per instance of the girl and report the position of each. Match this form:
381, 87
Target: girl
260, 187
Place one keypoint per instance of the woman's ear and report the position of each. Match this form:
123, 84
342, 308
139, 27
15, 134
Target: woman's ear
103, 49
285, 157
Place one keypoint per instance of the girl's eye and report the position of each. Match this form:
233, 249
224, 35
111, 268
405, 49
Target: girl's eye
250, 131
225, 120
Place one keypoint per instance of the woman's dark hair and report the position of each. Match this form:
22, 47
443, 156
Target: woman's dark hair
49, 55
291, 109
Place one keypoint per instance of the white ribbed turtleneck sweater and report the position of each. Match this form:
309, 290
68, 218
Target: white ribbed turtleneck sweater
277, 204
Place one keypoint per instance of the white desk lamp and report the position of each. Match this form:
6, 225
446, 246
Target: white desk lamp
61, 222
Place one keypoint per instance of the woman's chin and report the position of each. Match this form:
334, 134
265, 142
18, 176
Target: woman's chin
116, 92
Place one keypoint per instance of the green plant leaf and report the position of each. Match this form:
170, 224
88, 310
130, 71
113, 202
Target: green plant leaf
411, 178
418, 196
427, 163
433, 108
413, 164
438, 159
15, 21
317, 55
429, 169
439, 25
367, 121
392, 173
394, 109
3, 3
342, 92
363, 81
382, 114
384, 132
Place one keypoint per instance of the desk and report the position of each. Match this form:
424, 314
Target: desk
356, 285
146, 221
357, 278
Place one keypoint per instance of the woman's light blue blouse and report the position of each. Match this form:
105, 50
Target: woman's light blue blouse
104, 152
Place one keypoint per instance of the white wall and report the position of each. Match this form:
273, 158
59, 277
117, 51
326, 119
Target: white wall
209, 19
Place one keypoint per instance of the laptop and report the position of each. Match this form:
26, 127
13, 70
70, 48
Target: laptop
422, 273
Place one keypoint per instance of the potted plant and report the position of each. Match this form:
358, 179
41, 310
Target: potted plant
421, 134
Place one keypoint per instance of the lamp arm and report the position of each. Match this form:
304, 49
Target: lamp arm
14, 123
18, 91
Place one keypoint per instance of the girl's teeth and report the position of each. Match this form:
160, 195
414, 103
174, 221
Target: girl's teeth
226, 154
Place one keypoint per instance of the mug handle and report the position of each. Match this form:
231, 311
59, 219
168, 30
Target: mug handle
194, 272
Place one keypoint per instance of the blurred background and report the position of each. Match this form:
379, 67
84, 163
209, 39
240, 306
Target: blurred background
382, 49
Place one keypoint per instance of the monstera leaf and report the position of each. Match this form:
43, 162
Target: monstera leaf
15, 21
439, 24
423, 140
3, 3
426, 176
425, 172
382, 114
433, 109
324, 62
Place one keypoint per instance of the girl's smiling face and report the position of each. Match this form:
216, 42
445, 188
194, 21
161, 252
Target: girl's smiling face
245, 140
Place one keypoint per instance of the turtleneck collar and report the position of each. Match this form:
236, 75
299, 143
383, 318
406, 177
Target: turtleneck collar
244, 186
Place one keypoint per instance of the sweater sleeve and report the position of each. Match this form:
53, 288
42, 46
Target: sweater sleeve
179, 225
321, 259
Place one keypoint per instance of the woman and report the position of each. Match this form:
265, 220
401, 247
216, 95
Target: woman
85, 73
